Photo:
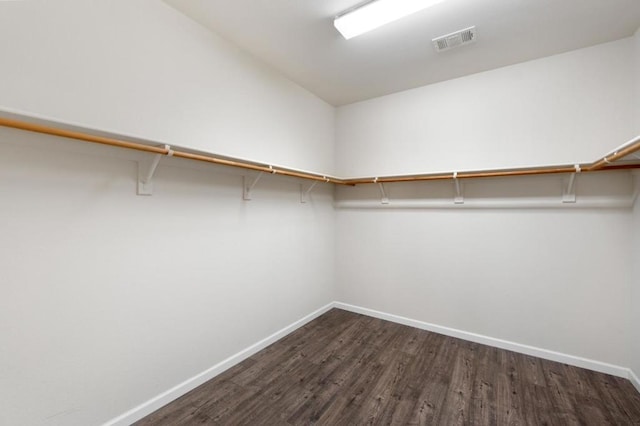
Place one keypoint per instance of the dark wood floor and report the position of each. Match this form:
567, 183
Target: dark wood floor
349, 369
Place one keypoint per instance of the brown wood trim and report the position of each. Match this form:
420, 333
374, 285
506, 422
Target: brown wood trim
605, 161
37, 128
599, 165
85, 137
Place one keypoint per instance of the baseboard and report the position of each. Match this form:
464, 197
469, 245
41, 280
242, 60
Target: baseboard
634, 379
589, 364
177, 391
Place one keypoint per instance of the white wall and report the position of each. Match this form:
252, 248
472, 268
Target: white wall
551, 278
568, 108
636, 39
108, 299
556, 279
139, 67
635, 299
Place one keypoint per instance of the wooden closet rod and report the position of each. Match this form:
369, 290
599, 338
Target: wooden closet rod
622, 152
463, 175
54, 131
602, 164
605, 163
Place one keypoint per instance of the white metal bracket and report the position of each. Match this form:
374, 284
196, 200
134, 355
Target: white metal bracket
384, 199
249, 185
304, 193
146, 169
569, 190
459, 196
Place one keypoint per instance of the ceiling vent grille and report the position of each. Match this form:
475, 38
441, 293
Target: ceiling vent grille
455, 39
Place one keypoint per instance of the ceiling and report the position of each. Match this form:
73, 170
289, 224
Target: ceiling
297, 37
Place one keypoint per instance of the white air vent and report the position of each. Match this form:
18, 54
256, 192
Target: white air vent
458, 38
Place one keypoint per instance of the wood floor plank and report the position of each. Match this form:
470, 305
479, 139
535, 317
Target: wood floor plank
393, 364
458, 398
349, 369
614, 395
418, 373
483, 409
394, 411
332, 378
379, 366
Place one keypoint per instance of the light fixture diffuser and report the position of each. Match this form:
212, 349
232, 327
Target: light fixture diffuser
376, 14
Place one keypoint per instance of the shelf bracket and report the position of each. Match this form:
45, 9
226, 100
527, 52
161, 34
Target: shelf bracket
569, 190
304, 193
146, 169
458, 198
384, 199
249, 185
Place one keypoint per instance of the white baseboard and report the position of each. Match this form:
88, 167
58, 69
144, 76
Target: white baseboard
589, 364
634, 379
177, 391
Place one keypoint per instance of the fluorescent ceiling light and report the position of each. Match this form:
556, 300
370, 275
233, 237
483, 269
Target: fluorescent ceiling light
376, 14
